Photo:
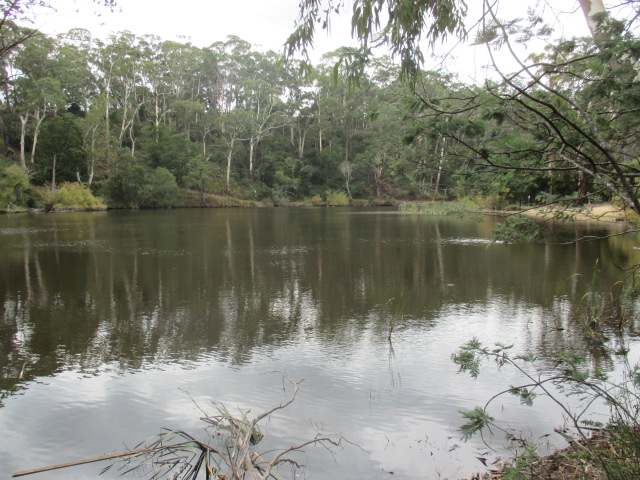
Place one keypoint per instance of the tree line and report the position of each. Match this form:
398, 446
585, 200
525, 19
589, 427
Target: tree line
139, 121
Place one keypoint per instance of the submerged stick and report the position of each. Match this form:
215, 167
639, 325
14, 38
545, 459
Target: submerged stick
81, 462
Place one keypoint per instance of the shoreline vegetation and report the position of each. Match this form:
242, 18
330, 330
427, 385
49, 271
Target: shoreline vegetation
574, 462
62, 201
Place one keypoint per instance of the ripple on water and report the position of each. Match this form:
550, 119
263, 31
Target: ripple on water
468, 241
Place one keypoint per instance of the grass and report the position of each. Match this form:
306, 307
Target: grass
192, 199
438, 208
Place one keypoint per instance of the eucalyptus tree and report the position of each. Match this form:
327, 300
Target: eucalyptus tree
383, 133
187, 114
36, 91
432, 134
41, 98
261, 88
401, 25
230, 56
343, 114
578, 138
233, 127
301, 106
11, 34
153, 77
117, 65
73, 68
126, 69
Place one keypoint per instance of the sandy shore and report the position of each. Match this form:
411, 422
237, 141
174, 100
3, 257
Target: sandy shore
602, 212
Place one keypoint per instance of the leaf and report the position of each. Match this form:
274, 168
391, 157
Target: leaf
478, 419
525, 395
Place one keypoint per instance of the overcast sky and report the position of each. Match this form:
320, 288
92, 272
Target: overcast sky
264, 23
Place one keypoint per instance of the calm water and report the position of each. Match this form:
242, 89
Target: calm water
121, 322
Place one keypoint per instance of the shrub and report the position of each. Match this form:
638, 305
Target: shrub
317, 200
126, 185
381, 202
13, 183
161, 190
76, 196
337, 199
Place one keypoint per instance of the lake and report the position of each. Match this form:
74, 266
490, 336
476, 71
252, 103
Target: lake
117, 324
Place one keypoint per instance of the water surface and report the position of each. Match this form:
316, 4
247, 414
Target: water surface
115, 324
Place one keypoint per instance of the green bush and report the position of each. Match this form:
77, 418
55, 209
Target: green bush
14, 181
76, 196
126, 186
337, 199
517, 228
161, 190
381, 202
317, 200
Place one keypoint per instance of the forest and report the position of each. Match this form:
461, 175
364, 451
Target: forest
136, 121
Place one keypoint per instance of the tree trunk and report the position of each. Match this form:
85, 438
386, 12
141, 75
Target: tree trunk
252, 143
36, 132
591, 8
53, 174
301, 141
582, 188
107, 133
228, 173
440, 163
23, 133
5, 137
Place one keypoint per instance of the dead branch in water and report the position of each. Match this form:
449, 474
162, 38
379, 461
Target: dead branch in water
229, 453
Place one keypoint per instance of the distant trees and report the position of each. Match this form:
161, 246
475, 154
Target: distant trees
566, 111
129, 114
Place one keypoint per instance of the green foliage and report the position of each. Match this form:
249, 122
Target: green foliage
622, 431
126, 186
408, 23
438, 208
467, 359
14, 182
75, 196
337, 199
161, 190
190, 199
204, 176
517, 228
525, 395
317, 200
520, 468
173, 152
62, 147
477, 420
515, 142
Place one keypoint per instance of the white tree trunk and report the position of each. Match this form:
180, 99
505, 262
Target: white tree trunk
229, 156
53, 174
592, 8
36, 132
23, 133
